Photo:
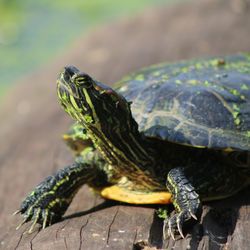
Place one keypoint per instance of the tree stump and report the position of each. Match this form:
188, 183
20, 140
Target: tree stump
32, 122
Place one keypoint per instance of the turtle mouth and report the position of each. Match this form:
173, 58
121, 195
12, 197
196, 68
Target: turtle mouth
65, 86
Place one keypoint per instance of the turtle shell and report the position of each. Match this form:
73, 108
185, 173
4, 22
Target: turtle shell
201, 103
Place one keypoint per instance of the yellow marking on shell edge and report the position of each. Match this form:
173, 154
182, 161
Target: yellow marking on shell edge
128, 196
228, 150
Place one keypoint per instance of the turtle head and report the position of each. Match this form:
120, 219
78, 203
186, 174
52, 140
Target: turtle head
92, 103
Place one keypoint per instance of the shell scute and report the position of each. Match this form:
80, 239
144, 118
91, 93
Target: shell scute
202, 103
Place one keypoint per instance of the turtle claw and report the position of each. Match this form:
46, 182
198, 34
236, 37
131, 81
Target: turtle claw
45, 216
175, 223
36, 218
171, 227
38, 212
179, 224
170, 233
36, 215
23, 222
193, 215
16, 212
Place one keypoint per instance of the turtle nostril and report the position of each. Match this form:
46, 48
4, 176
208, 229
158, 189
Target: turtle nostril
70, 71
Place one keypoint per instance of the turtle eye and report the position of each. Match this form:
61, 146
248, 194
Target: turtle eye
83, 81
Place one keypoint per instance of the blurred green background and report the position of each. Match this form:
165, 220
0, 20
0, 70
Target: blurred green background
33, 32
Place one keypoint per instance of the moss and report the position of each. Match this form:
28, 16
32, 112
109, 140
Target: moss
215, 62
234, 92
162, 213
236, 107
156, 73
237, 121
236, 113
198, 66
244, 87
140, 77
165, 77
242, 66
178, 81
185, 69
193, 81
207, 83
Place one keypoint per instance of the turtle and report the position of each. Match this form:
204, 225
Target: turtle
171, 133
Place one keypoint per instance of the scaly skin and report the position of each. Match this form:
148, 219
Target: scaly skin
50, 199
111, 152
185, 200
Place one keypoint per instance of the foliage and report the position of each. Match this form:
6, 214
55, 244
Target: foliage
32, 32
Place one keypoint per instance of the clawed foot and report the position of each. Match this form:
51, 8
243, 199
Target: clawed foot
51, 198
44, 205
175, 223
36, 215
185, 200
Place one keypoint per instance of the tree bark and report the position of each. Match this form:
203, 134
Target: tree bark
32, 121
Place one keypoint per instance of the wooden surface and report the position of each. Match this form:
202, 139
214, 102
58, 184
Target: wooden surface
32, 122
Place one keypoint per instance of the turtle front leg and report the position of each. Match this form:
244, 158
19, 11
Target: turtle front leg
185, 200
47, 203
